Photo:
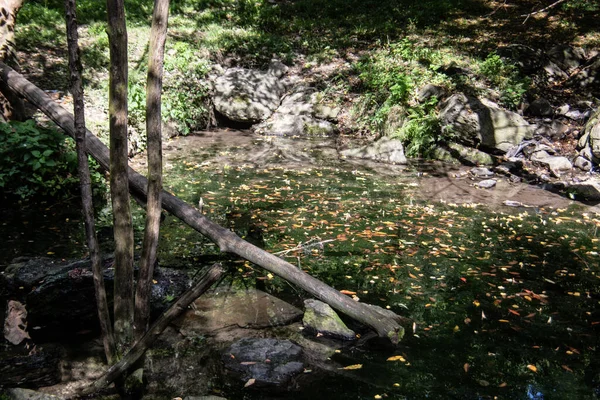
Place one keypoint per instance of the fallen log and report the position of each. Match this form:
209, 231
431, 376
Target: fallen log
226, 240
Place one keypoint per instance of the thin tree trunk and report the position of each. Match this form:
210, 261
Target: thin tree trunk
11, 105
119, 186
211, 276
384, 324
85, 181
158, 35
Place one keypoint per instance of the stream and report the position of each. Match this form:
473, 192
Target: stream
505, 301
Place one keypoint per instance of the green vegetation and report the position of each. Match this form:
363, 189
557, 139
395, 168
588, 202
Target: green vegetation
39, 162
506, 78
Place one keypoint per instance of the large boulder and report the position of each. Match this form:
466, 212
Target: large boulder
589, 142
480, 122
322, 319
248, 95
301, 113
456, 152
386, 149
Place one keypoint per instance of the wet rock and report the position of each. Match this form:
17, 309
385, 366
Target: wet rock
320, 317
249, 308
540, 108
481, 172
589, 190
28, 394
386, 150
247, 95
463, 154
486, 184
482, 122
268, 361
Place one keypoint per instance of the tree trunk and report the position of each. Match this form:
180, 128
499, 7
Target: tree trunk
158, 35
384, 325
85, 181
211, 276
119, 186
11, 106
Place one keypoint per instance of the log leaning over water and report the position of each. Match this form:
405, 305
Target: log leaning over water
384, 324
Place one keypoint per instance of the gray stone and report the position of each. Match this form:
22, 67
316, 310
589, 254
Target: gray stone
428, 91
395, 120
582, 163
277, 69
590, 138
566, 57
481, 172
456, 152
28, 394
486, 184
386, 150
475, 122
246, 95
588, 77
320, 317
540, 108
268, 361
556, 164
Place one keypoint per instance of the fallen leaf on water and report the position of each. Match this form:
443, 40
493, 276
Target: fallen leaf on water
354, 366
377, 396
397, 358
532, 368
566, 368
466, 367
503, 384
250, 382
248, 363
503, 320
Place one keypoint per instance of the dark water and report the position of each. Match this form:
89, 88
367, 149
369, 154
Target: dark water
505, 301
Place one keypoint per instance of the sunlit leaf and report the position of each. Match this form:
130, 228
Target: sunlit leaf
250, 382
352, 367
396, 358
532, 368
466, 367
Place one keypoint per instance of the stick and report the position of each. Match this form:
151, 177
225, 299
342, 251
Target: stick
542, 10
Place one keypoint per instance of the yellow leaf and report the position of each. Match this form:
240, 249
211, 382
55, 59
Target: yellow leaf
377, 396
50, 253
466, 367
354, 366
532, 368
477, 303
350, 292
456, 329
250, 382
397, 358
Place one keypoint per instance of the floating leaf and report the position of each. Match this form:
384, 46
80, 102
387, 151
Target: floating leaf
396, 358
532, 368
466, 367
250, 382
354, 366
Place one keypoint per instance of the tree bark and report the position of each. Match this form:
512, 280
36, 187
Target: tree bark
119, 186
211, 276
384, 325
11, 106
158, 35
85, 180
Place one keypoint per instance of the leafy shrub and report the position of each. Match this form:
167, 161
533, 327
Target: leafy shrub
505, 76
37, 161
422, 130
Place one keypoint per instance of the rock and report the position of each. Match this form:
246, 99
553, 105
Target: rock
589, 190
477, 122
15, 324
320, 317
395, 120
528, 59
246, 95
277, 69
588, 77
268, 361
562, 110
582, 163
28, 394
462, 154
556, 164
428, 91
204, 398
61, 295
386, 150
566, 57
540, 108
590, 138
480, 172
486, 184
39, 368
249, 308
300, 114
